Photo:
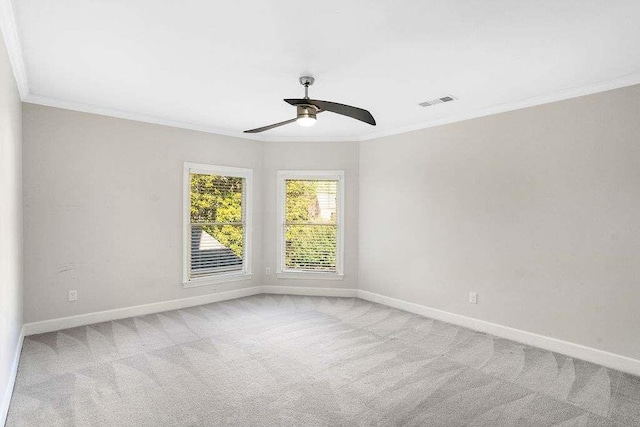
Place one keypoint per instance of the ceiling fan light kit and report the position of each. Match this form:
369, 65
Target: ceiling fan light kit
308, 108
306, 116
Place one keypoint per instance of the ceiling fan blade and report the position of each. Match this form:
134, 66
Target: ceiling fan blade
275, 125
334, 107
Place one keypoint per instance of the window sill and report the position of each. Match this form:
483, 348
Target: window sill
308, 275
214, 280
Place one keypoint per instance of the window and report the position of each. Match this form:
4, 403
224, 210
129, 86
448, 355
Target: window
217, 224
311, 212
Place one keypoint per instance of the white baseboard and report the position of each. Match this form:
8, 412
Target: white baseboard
308, 291
600, 357
611, 360
8, 393
138, 310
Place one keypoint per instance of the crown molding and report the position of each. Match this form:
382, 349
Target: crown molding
111, 112
561, 95
127, 115
12, 41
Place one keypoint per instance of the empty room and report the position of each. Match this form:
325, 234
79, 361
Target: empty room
338, 213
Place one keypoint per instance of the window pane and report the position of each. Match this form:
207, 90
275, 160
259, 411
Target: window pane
311, 247
217, 224
310, 240
216, 249
311, 201
216, 198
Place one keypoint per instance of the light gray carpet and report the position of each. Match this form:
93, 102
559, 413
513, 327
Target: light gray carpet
285, 360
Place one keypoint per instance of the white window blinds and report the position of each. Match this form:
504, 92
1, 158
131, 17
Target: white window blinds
310, 228
216, 224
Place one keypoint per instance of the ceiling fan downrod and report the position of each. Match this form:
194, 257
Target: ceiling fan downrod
306, 114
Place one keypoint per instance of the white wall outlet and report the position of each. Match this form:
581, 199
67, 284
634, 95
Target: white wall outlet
473, 297
73, 295
267, 271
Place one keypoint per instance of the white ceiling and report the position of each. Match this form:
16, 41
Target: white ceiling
225, 66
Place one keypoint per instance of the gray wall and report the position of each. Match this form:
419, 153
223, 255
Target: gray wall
311, 156
538, 210
103, 210
10, 223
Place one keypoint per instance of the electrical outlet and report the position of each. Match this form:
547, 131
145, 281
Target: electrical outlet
473, 297
267, 271
73, 295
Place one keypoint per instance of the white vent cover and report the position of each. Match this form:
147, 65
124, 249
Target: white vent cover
442, 99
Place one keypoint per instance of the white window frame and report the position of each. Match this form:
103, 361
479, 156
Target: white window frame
283, 176
200, 168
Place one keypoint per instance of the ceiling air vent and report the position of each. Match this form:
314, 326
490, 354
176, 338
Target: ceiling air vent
446, 98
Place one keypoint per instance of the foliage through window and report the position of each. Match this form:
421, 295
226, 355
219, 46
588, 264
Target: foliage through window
311, 224
217, 224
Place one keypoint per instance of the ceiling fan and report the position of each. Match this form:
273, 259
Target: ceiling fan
307, 109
